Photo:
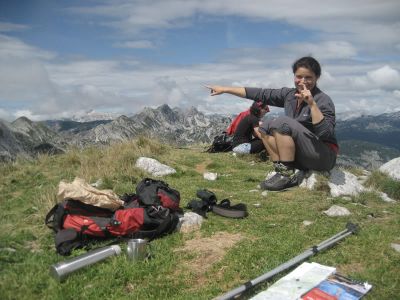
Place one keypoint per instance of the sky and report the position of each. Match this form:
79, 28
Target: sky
64, 58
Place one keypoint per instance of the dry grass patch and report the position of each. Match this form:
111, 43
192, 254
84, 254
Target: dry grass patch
207, 251
201, 168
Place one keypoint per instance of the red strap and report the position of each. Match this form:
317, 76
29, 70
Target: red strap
232, 128
334, 147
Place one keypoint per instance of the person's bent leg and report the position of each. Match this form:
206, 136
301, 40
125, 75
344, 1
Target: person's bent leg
270, 145
296, 146
310, 152
285, 146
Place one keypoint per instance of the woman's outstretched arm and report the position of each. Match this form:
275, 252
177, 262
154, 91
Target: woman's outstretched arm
218, 90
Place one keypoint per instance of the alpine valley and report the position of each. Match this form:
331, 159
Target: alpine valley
366, 141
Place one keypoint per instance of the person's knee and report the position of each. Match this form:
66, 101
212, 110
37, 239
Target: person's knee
282, 125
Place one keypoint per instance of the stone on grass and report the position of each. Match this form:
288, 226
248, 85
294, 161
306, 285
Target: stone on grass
344, 183
8, 249
386, 198
154, 167
392, 168
189, 222
210, 176
309, 180
307, 223
337, 211
395, 246
264, 193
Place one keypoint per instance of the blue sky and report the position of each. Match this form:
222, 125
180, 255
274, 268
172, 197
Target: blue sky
65, 58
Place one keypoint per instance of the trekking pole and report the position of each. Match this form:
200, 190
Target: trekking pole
350, 229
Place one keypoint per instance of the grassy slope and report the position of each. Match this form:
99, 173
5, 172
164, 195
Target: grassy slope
273, 233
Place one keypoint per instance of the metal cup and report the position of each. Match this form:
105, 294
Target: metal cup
137, 249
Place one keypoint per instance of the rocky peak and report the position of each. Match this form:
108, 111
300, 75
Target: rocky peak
22, 123
192, 111
122, 120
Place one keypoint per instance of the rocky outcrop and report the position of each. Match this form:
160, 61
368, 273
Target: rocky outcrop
9, 143
392, 168
172, 126
343, 183
27, 139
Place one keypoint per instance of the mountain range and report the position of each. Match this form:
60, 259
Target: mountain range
366, 141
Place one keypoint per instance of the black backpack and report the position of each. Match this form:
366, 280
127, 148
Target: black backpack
153, 192
221, 143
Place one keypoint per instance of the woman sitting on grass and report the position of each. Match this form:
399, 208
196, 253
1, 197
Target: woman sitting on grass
305, 137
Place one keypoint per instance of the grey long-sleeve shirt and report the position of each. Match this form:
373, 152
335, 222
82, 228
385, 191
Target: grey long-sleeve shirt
285, 97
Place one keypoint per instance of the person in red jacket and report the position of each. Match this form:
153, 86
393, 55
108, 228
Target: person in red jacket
247, 138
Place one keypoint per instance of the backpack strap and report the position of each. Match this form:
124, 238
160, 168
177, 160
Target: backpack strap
157, 227
55, 217
225, 209
50, 217
208, 202
67, 240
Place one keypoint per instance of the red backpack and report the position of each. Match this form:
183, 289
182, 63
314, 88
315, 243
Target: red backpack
151, 213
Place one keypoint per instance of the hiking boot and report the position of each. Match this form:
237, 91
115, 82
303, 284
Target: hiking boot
270, 180
279, 182
284, 170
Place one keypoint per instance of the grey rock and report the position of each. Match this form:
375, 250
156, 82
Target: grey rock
386, 198
153, 166
309, 180
189, 222
395, 246
392, 168
210, 176
337, 211
343, 183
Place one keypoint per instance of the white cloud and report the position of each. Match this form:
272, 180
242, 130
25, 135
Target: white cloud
367, 22
123, 87
12, 48
142, 44
44, 87
385, 77
5, 115
8, 27
25, 113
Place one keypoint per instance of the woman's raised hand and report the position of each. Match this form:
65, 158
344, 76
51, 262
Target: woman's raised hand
304, 94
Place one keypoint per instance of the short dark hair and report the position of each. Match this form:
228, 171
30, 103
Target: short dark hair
255, 108
309, 63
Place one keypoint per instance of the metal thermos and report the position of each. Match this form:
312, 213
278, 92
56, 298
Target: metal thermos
62, 269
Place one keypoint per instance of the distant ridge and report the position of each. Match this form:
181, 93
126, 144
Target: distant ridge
366, 141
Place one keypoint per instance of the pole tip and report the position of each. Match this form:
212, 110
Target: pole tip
354, 228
